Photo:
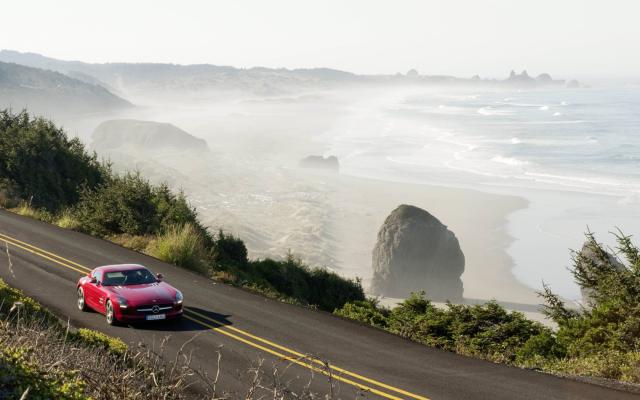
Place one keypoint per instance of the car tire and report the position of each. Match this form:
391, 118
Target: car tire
82, 304
109, 314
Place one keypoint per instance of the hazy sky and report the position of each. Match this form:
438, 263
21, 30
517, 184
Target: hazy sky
567, 38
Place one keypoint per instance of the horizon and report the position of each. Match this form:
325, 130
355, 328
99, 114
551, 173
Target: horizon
505, 75
488, 39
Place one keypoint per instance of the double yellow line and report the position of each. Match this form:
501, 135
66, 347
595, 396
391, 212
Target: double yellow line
245, 337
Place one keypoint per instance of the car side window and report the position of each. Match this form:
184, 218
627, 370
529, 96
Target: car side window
96, 274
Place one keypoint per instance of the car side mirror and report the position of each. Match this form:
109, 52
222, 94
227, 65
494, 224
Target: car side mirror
93, 280
159, 277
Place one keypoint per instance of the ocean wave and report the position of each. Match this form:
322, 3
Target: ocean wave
544, 108
491, 111
514, 162
526, 105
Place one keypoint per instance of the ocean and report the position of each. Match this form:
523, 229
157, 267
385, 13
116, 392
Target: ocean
574, 154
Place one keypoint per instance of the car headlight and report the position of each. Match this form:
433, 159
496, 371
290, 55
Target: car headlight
123, 302
179, 297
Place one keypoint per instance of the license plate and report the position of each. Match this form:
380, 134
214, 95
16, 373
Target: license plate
155, 317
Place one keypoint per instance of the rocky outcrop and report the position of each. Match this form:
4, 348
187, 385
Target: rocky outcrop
590, 254
144, 136
412, 73
416, 252
544, 78
318, 162
573, 84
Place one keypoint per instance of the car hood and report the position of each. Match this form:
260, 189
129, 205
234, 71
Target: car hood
151, 293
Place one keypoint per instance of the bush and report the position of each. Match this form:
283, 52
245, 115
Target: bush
486, 331
318, 287
39, 162
602, 339
228, 249
539, 348
181, 245
19, 374
100, 340
129, 204
366, 311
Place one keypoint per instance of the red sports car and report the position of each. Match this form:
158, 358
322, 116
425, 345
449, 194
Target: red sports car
128, 293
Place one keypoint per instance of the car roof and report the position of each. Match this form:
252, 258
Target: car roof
120, 267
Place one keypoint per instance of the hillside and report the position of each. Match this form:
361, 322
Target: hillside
50, 91
207, 80
129, 134
170, 77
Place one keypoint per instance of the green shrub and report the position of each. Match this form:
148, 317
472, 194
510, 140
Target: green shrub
9, 296
100, 340
39, 162
486, 331
610, 364
130, 204
366, 311
228, 249
314, 286
19, 374
538, 348
181, 245
602, 339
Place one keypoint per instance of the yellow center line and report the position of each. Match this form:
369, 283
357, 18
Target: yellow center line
298, 354
42, 255
2, 237
223, 329
294, 360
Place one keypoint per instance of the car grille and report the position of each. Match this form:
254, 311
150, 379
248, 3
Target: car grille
154, 308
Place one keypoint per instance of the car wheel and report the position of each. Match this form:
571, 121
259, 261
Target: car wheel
82, 305
111, 318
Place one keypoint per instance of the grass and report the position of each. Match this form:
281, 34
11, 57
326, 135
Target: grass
66, 220
182, 245
26, 210
137, 243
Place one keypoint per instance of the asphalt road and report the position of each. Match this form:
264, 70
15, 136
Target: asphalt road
248, 329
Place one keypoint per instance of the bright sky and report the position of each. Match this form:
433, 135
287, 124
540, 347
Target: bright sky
567, 38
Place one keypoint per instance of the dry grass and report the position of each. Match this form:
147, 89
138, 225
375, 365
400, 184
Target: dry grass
66, 220
26, 210
181, 245
134, 242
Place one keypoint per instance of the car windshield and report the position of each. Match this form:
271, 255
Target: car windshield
128, 277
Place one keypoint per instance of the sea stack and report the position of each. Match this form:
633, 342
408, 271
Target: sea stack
589, 254
416, 252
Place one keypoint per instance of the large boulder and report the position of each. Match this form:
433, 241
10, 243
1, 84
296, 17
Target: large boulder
416, 252
590, 254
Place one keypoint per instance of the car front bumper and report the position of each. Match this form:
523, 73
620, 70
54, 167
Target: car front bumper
133, 315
